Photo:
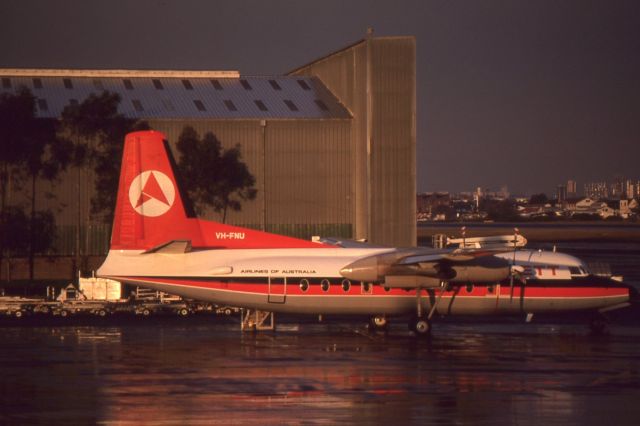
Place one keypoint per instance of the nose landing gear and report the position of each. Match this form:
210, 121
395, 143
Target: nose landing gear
378, 323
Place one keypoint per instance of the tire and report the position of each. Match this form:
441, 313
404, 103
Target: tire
102, 313
18, 314
183, 312
420, 326
378, 323
228, 311
64, 313
146, 312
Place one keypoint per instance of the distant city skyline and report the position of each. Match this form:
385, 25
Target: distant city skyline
604, 188
518, 93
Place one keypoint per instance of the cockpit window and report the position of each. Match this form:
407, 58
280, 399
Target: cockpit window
578, 270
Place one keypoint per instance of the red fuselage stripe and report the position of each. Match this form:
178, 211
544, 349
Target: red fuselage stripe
335, 289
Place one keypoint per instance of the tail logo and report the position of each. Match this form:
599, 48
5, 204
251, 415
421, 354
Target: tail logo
152, 193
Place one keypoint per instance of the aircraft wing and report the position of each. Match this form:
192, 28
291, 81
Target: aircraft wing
428, 269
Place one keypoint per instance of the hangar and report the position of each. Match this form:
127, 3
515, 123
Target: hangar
331, 144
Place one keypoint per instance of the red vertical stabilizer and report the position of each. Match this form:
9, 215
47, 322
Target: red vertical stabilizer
150, 210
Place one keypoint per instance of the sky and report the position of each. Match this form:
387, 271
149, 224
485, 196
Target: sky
526, 94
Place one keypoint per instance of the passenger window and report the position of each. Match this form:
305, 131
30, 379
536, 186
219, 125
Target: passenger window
324, 285
304, 285
366, 288
469, 288
346, 285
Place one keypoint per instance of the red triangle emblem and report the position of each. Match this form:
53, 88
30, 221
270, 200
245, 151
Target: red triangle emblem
152, 190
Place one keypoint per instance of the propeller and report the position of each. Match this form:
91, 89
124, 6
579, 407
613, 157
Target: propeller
515, 269
463, 231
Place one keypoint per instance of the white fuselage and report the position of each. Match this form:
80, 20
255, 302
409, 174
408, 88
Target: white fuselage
309, 281
235, 264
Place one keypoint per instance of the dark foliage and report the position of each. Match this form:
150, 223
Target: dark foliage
538, 199
213, 177
13, 229
30, 151
97, 131
500, 210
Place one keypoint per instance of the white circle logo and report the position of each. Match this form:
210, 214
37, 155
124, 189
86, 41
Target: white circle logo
151, 193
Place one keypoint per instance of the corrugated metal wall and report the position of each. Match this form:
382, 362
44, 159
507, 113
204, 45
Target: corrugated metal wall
308, 169
303, 171
69, 198
383, 132
393, 140
344, 73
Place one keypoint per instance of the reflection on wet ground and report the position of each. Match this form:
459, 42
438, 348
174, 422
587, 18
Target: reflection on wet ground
202, 372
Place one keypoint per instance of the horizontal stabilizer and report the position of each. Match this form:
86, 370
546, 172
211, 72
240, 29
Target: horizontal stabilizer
172, 247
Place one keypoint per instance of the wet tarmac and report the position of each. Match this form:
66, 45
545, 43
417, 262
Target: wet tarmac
204, 370
208, 372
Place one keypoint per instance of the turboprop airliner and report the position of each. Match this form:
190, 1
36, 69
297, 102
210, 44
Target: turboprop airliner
156, 244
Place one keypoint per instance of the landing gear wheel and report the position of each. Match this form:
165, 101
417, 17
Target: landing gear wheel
420, 326
378, 323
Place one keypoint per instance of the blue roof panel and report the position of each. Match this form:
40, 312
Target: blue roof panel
175, 97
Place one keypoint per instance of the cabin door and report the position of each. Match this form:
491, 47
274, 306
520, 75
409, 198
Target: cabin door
277, 290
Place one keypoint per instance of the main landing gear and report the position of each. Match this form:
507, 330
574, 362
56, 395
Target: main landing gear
421, 324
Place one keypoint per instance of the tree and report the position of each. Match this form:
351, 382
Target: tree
500, 210
213, 176
16, 113
13, 228
97, 131
30, 152
539, 199
46, 157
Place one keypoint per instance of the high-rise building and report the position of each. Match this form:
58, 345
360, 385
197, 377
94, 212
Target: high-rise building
630, 189
571, 188
618, 188
596, 190
561, 193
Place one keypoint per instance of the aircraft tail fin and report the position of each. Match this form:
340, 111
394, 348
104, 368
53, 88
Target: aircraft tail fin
151, 211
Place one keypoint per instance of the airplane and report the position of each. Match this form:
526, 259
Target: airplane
156, 244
